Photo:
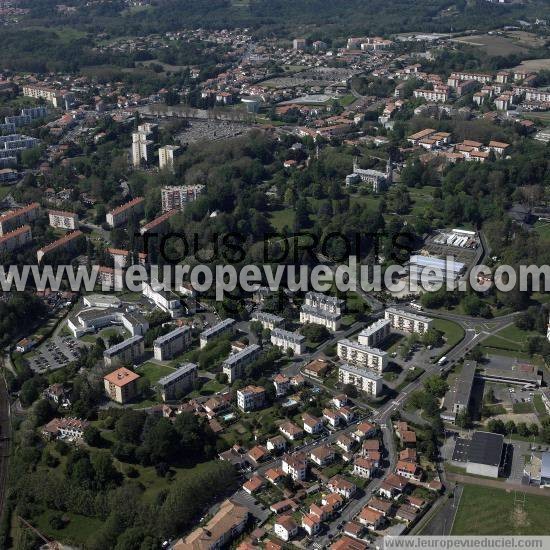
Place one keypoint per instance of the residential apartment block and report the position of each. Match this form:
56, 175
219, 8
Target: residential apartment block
374, 334
331, 304
250, 398
233, 366
122, 213
163, 299
171, 344
295, 465
268, 320
121, 385
66, 243
286, 340
362, 356
127, 352
159, 225
321, 317
363, 379
408, 322
16, 218
15, 239
227, 326
167, 155
227, 524
143, 143
177, 383
63, 220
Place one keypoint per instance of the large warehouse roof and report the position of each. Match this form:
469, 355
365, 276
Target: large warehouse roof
486, 448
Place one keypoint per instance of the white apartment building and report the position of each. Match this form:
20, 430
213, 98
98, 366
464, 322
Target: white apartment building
233, 366
143, 143
295, 465
63, 220
331, 304
250, 398
176, 197
268, 320
177, 383
122, 213
93, 319
374, 334
362, 356
312, 315
167, 155
408, 322
363, 379
286, 340
171, 344
227, 326
163, 299
16, 218
15, 239
127, 352
437, 94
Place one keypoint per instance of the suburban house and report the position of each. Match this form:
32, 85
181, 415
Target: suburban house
295, 465
322, 456
285, 528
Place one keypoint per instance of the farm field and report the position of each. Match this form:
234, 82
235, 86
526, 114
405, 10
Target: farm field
492, 44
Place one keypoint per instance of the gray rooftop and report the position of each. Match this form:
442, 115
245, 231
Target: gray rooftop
287, 335
123, 345
173, 377
408, 315
366, 373
171, 335
321, 313
216, 329
362, 347
236, 357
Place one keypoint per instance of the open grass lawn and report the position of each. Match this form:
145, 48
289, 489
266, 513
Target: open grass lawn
539, 405
522, 408
153, 372
488, 511
209, 388
452, 332
5, 190
76, 531
280, 218
510, 338
493, 44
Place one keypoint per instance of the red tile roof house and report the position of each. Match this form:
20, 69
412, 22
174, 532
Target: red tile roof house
257, 454
406, 513
295, 465
393, 486
322, 455
383, 506
283, 506
312, 424
311, 524
274, 475
344, 442
255, 483
342, 486
372, 519
409, 470
364, 430
363, 467
291, 430
276, 443
285, 528
332, 417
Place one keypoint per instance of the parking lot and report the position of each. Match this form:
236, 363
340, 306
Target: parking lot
55, 354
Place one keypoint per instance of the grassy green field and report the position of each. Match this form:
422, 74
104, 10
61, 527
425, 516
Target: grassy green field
451, 331
510, 338
153, 372
76, 531
488, 511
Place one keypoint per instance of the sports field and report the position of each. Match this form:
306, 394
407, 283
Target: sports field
488, 511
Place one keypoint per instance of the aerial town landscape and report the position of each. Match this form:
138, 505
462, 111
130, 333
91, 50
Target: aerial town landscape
141, 137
